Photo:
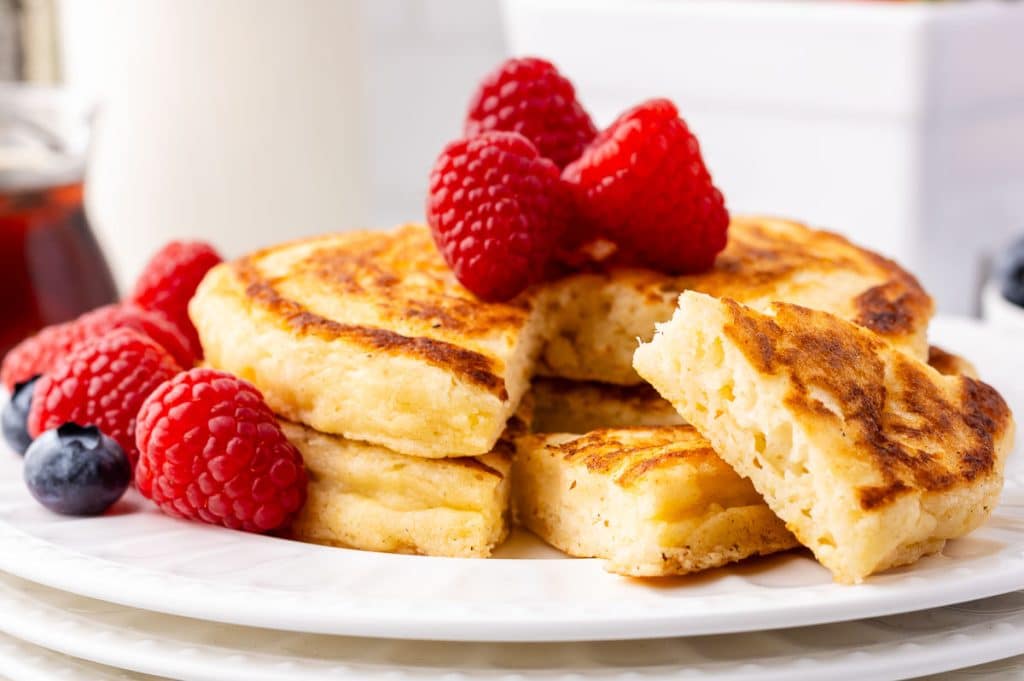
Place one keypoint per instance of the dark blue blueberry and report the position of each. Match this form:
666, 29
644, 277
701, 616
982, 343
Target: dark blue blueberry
1010, 274
76, 470
14, 419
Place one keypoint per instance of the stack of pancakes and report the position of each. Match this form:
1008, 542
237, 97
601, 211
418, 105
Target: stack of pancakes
428, 419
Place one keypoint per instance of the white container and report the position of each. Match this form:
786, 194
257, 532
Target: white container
900, 125
235, 122
1000, 312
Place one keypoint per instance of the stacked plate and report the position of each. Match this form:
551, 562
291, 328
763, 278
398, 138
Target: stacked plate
136, 591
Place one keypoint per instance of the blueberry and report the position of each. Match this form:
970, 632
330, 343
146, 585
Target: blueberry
1010, 274
76, 470
14, 419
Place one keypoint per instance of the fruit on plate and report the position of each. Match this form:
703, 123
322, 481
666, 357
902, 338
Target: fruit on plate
14, 418
635, 194
212, 450
76, 470
169, 281
102, 382
38, 353
497, 210
529, 96
643, 185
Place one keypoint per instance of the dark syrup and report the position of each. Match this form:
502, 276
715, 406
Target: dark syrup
51, 267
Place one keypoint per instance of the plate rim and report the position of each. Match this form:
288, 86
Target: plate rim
908, 653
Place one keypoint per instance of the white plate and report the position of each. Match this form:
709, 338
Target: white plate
1009, 669
139, 558
894, 647
21, 661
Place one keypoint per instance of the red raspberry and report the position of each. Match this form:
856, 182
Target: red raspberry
497, 210
642, 184
213, 451
102, 382
35, 355
169, 281
531, 97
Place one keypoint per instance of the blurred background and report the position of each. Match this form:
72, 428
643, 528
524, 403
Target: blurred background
245, 122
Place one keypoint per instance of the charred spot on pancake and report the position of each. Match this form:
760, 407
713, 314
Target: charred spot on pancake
875, 497
475, 464
885, 309
916, 437
942, 361
605, 451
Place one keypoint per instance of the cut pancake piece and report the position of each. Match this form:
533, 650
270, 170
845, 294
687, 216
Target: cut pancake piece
564, 406
871, 457
651, 501
365, 496
369, 335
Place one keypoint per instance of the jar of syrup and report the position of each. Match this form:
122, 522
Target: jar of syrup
51, 267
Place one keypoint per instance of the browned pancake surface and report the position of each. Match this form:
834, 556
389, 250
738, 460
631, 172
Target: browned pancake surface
629, 453
918, 438
404, 278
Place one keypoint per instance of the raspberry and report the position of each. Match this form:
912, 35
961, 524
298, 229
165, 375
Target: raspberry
35, 355
643, 185
169, 281
213, 451
531, 97
102, 382
497, 210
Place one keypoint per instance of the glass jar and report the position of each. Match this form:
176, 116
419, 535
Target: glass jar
51, 267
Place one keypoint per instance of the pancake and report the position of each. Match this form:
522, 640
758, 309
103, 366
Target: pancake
368, 335
949, 364
872, 457
650, 501
564, 406
367, 497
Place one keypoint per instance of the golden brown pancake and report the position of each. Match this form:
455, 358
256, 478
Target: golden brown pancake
368, 335
367, 497
650, 501
949, 364
872, 457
